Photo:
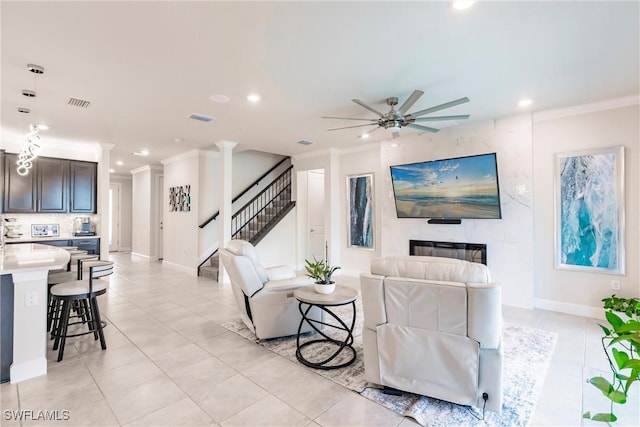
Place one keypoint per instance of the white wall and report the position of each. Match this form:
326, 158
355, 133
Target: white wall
180, 227
144, 219
126, 212
581, 128
509, 240
185, 244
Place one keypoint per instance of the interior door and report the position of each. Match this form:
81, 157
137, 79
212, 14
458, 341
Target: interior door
315, 209
160, 210
114, 217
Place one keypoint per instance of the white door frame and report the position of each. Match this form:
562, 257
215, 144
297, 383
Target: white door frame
159, 216
114, 245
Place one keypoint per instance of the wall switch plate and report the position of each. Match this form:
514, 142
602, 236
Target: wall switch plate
615, 285
30, 299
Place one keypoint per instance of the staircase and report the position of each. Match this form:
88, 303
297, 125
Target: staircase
256, 218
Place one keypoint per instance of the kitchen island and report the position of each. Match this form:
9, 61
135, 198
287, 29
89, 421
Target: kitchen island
23, 272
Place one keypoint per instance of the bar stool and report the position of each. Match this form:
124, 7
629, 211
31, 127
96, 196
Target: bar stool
72, 272
83, 293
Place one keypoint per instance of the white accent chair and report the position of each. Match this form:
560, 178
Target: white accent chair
433, 326
264, 296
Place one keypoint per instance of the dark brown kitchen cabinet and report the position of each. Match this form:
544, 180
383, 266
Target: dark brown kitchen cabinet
53, 185
19, 192
83, 186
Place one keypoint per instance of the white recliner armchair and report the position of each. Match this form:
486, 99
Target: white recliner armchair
433, 326
264, 296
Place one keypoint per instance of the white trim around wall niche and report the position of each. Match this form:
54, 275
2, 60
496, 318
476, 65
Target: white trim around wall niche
564, 307
188, 270
576, 110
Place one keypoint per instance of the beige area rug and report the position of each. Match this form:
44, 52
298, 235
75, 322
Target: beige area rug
527, 354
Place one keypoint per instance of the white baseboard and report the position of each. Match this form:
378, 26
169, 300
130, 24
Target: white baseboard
189, 270
564, 307
124, 249
147, 257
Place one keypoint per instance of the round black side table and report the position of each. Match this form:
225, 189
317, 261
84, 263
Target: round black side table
308, 297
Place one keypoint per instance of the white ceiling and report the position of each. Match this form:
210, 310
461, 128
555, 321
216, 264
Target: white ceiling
146, 66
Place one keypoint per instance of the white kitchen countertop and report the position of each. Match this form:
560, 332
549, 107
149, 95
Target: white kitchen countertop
32, 256
11, 240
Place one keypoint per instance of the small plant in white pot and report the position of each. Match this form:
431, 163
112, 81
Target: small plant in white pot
321, 272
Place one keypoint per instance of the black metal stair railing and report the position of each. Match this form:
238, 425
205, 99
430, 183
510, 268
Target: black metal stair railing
258, 216
251, 219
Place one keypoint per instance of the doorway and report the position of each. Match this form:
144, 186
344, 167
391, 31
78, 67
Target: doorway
160, 216
315, 214
114, 217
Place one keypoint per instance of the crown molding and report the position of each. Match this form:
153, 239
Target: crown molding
593, 107
146, 168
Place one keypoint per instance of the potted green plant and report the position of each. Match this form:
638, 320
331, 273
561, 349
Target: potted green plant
321, 272
622, 337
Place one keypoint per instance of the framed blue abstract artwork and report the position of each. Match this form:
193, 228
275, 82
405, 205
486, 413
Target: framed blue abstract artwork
589, 210
360, 202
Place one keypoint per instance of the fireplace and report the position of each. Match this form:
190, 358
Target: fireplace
474, 252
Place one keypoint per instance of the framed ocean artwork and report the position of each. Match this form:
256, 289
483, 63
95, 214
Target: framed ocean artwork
360, 206
589, 210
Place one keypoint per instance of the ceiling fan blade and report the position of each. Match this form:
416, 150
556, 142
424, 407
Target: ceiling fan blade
369, 132
440, 107
438, 118
349, 127
363, 105
410, 101
423, 128
349, 118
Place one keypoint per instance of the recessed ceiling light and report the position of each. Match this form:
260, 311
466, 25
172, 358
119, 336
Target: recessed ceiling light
220, 99
525, 102
364, 136
119, 163
461, 4
111, 171
143, 153
177, 140
394, 144
43, 127
254, 97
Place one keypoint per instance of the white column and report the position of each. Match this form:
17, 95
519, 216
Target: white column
224, 201
104, 159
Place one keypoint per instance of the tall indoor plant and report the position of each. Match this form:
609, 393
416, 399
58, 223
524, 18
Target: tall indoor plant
622, 337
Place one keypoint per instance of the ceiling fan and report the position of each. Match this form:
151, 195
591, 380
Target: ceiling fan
394, 119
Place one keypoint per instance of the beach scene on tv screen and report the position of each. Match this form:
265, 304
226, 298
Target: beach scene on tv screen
465, 187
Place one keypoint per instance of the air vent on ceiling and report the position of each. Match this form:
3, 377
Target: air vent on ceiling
201, 117
304, 142
77, 102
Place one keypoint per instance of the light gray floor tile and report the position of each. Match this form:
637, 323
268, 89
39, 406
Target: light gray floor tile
229, 397
354, 410
183, 413
267, 412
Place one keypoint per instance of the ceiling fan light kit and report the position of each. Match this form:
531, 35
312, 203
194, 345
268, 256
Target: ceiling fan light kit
394, 120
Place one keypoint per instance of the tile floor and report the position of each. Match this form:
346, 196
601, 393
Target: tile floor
170, 363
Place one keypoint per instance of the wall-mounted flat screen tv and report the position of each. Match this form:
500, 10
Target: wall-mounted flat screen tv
458, 188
